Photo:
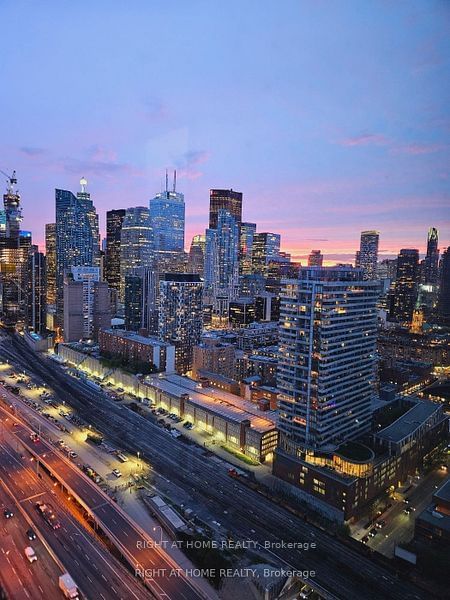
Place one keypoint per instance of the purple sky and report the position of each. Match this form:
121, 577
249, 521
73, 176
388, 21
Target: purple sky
330, 117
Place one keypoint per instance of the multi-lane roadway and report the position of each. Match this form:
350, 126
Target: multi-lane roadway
344, 572
97, 573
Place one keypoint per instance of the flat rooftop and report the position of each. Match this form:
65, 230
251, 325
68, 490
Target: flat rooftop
443, 493
135, 337
223, 403
409, 422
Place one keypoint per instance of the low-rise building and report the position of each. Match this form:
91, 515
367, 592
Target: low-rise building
346, 479
137, 348
213, 356
433, 523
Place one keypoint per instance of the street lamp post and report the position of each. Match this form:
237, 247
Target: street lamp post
161, 533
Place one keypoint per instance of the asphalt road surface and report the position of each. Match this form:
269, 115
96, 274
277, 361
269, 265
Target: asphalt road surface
96, 572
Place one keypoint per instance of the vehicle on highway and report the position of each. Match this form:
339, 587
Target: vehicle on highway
380, 524
8, 513
408, 510
30, 554
34, 437
73, 454
117, 473
47, 512
365, 539
373, 532
31, 535
68, 586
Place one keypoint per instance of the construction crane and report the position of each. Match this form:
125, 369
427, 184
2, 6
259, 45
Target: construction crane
12, 180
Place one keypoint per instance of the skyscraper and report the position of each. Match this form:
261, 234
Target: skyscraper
14, 248
315, 259
76, 239
36, 308
367, 257
266, 248
228, 200
87, 306
327, 358
50, 257
222, 256
404, 294
140, 301
181, 315
85, 198
167, 217
443, 308
247, 235
431, 262
136, 246
196, 263
114, 223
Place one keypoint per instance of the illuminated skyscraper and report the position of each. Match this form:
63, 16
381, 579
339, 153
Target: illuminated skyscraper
181, 315
85, 198
327, 357
431, 262
87, 306
167, 216
315, 259
196, 262
114, 223
50, 257
222, 255
136, 246
77, 240
367, 257
266, 248
228, 200
247, 235
14, 249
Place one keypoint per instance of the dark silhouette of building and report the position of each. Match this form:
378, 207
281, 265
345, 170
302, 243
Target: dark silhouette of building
444, 290
404, 295
36, 308
431, 262
114, 221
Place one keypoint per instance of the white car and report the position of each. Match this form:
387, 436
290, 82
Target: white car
117, 473
30, 554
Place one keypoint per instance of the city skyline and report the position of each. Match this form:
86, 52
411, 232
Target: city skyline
318, 168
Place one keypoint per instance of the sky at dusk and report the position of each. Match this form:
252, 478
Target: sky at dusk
330, 117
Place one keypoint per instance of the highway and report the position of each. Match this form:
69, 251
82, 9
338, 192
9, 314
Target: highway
340, 570
19, 577
96, 572
112, 520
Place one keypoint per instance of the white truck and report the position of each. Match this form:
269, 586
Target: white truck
68, 586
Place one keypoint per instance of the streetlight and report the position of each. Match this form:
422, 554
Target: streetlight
161, 533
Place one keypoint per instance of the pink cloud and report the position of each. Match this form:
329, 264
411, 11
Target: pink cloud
417, 149
365, 139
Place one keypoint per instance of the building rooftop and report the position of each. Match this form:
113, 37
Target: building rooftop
135, 337
223, 403
409, 422
443, 493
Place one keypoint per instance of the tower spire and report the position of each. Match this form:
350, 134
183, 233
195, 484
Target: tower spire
174, 180
167, 182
